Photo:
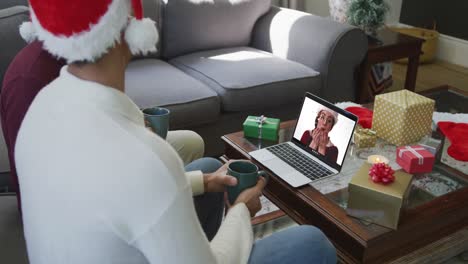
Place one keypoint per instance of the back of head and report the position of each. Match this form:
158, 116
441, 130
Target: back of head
85, 30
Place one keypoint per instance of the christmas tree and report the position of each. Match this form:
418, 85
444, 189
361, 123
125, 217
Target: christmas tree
368, 15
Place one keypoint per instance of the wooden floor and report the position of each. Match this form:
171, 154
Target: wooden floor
432, 75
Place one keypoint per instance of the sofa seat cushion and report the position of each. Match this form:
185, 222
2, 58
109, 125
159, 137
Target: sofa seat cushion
152, 82
250, 79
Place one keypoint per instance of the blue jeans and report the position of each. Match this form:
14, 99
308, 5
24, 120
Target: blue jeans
300, 244
209, 206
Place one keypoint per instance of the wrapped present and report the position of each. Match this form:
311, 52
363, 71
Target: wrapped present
364, 138
261, 127
402, 117
415, 159
378, 203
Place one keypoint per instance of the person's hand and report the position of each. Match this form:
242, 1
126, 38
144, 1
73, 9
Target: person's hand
316, 135
218, 180
251, 196
148, 126
323, 140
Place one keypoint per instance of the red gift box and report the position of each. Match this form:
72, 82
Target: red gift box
415, 159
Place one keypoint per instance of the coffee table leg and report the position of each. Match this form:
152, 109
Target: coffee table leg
411, 73
364, 91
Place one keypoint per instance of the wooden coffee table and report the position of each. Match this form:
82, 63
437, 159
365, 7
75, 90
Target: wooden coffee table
429, 223
448, 99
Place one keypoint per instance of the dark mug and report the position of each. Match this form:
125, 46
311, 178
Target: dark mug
246, 174
158, 119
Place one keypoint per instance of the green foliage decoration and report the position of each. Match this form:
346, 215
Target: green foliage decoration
368, 15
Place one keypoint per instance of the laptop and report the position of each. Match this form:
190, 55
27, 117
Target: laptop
318, 145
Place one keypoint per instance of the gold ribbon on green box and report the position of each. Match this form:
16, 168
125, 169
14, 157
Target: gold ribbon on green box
364, 138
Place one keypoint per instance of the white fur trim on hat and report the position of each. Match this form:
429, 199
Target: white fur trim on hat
141, 36
89, 45
27, 32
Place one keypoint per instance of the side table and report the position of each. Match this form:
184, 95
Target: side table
393, 46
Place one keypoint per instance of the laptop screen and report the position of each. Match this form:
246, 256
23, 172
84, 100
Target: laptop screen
324, 130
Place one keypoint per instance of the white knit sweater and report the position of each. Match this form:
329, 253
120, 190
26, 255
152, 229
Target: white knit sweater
98, 187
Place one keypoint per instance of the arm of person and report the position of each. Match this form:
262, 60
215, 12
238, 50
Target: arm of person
160, 220
196, 180
332, 153
177, 237
210, 182
306, 138
234, 235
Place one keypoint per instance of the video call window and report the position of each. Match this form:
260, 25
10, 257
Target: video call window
324, 131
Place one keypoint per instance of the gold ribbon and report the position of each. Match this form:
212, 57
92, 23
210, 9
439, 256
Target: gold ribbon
366, 131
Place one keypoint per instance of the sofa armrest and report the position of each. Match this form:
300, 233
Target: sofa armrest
11, 42
331, 48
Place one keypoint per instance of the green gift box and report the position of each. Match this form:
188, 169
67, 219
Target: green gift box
261, 127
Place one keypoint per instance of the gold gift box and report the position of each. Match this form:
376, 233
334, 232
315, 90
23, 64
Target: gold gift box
364, 138
402, 117
377, 203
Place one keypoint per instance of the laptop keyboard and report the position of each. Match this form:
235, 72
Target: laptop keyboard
305, 165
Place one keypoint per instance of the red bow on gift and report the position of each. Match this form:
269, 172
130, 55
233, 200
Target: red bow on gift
382, 173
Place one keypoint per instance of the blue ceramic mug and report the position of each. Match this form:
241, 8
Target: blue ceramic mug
158, 119
246, 174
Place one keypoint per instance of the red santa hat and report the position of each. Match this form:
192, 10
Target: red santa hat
84, 30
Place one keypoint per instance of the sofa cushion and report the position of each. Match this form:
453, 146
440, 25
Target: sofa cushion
11, 42
10, 3
190, 25
153, 82
250, 79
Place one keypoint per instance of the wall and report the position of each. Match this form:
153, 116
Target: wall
320, 7
449, 16
450, 20
317, 7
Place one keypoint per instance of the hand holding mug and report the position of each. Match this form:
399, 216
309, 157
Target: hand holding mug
219, 180
247, 175
157, 118
251, 197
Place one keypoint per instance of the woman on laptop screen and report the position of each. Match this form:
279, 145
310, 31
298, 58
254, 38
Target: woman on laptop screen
318, 139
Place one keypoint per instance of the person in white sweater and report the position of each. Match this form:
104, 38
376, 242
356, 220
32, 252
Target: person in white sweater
110, 190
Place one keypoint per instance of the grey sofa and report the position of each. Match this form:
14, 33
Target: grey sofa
216, 64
